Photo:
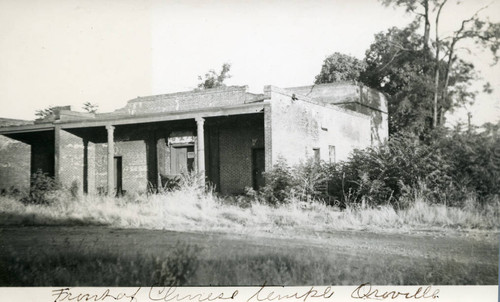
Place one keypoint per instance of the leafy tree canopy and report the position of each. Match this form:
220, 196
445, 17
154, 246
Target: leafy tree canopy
340, 67
423, 75
212, 79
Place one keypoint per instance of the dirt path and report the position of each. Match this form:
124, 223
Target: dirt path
433, 252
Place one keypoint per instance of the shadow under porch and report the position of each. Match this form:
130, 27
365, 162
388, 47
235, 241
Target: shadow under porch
145, 155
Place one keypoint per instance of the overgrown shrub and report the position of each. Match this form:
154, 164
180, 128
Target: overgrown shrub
279, 183
474, 159
383, 174
42, 188
449, 168
304, 182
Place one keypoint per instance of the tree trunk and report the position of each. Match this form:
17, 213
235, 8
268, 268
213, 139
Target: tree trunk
436, 89
446, 80
427, 26
436, 74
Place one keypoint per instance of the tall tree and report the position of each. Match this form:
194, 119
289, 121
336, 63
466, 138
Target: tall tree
420, 8
340, 67
212, 79
396, 65
484, 33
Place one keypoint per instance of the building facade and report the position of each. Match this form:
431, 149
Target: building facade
227, 134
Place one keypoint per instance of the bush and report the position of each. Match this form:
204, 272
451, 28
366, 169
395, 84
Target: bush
304, 182
279, 182
385, 173
42, 188
449, 168
474, 161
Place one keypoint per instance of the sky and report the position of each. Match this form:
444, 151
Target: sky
107, 52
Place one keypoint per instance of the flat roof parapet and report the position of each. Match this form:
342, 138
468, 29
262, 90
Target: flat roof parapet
191, 93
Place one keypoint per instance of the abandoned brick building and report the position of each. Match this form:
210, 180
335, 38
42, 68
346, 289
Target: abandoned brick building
229, 134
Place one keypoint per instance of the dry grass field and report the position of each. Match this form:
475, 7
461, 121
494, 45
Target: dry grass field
188, 237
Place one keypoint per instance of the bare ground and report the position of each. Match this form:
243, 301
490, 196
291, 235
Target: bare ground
339, 257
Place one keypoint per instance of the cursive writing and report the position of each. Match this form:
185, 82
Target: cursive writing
65, 294
169, 294
270, 295
366, 291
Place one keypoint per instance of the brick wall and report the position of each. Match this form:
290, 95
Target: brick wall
71, 160
14, 164
191, 100
134, 165
235, 155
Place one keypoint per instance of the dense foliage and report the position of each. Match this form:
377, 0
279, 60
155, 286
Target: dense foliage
213, 79
42, 188
457, 166
423, 75
339, 67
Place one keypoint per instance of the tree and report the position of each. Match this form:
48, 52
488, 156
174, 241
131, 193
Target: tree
213, 79
44, 113
340, 67
484, 33
396, 65
90, 108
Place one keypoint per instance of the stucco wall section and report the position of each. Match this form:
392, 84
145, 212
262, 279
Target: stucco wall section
301, 125
355, 97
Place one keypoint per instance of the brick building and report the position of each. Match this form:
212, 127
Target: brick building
229, 134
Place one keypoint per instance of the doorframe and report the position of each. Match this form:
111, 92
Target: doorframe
181, 145
118, 170
254, 179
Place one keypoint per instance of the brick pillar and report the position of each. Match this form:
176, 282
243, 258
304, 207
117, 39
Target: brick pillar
57, 152
111, 160
268, 151
201, 146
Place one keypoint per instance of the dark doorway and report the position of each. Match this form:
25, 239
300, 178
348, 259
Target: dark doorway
182, 158
258, 167
118, 175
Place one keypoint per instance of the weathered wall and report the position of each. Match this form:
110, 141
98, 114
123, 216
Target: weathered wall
14, 164
190, 100
235, 151
354, 97
134, 165
301, 125
71, 160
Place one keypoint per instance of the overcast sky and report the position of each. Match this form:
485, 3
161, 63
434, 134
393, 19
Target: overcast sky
107, 52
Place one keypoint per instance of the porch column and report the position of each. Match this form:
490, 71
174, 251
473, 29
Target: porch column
201, 146
111, 160
57, 152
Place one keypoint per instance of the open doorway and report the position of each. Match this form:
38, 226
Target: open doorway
118, 176
258, 167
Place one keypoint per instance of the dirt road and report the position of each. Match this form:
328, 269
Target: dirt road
340, 257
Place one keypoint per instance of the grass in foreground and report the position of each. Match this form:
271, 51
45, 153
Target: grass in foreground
190, 209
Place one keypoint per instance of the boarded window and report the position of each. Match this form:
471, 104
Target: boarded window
331, 154
316, 155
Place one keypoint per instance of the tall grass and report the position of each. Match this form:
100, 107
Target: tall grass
192, 209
